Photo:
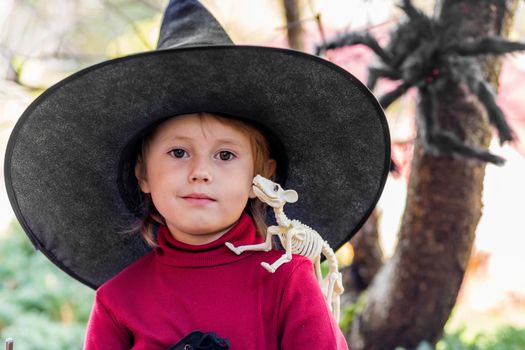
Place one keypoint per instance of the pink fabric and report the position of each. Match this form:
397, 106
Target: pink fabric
180, 288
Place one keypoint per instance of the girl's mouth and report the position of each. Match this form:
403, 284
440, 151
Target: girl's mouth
198, 198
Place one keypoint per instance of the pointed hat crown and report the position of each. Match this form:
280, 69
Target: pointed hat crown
187, 23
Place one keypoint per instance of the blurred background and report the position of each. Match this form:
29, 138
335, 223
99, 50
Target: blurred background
42, 42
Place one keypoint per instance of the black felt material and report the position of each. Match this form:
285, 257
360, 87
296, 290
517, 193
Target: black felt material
193, 26
67, 166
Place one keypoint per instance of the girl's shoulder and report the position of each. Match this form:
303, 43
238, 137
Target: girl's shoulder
131, 275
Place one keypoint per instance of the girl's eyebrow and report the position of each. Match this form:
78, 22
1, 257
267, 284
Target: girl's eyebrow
231, 142
227, 141
175, 137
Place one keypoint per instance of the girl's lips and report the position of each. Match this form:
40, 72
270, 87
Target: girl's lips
198, 198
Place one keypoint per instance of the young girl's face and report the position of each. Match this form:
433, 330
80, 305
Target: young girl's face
199, 173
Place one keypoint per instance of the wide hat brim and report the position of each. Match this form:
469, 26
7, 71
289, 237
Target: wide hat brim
64, 161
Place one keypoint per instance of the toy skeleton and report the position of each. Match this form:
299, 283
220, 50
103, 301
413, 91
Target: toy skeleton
296, 238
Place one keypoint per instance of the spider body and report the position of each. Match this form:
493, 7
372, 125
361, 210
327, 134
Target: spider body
423, 53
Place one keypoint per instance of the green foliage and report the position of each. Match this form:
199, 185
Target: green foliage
38, 332
40, 306
349, 313
422, 346
504, 338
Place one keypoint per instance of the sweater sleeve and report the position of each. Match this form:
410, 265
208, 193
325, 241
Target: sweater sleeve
104, 331
305, 322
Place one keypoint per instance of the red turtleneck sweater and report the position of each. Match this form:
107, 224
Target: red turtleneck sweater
179, 288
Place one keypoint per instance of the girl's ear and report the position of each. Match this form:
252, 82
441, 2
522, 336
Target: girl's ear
140, 174
271, 166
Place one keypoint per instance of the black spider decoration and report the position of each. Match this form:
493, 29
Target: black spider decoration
422, 54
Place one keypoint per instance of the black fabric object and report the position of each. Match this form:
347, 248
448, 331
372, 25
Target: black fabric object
201, 341
70, 158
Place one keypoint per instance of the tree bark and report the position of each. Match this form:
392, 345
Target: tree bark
411, 297
368, 259
293, 24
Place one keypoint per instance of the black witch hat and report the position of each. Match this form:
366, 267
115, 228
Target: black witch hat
69, 162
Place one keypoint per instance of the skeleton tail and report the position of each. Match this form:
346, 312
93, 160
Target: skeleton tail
334, 281
331, 259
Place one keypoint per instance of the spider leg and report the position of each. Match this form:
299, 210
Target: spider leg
426, 123
387, 99
411, 11
496, 116
353, 38
437, 141
486, 46
374, 73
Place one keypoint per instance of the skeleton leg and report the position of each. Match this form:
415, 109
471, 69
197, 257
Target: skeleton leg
335, 289
266, 246
286, 257
332, 278
336, 308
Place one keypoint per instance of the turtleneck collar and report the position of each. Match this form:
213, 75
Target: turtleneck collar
173, 252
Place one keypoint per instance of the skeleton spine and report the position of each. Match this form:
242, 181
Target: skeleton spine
281, 218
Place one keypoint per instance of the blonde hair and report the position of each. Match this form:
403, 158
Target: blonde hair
261, 161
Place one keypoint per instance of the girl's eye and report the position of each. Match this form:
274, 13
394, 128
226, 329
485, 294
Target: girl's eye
226, 155
178, 153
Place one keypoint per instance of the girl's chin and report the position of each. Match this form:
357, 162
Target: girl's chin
199, 235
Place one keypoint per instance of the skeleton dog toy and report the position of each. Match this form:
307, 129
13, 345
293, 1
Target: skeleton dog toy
296, 238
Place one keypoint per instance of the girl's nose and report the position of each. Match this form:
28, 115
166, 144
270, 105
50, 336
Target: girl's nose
200, 172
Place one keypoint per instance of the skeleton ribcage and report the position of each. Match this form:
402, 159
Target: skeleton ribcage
307, 243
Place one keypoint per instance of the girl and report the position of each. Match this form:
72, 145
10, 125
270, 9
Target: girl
197, 169
172, 138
